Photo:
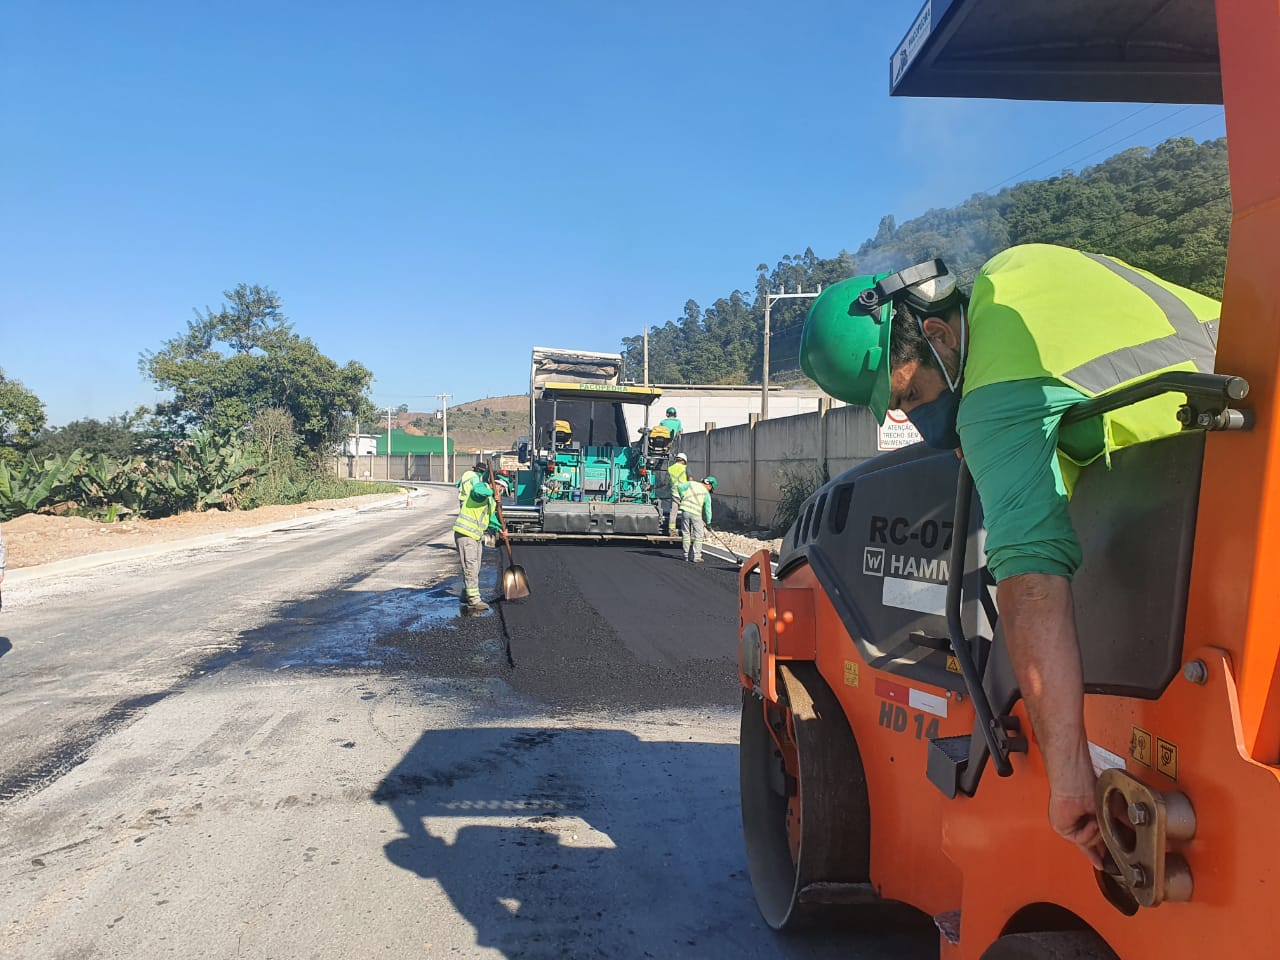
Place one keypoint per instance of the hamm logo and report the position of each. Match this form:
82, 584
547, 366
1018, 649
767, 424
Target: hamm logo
873, 561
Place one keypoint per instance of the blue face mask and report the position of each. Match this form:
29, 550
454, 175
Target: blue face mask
936, 420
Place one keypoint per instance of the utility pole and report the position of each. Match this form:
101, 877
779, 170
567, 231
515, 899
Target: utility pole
646, 354
388, 443
444, 399
768, 306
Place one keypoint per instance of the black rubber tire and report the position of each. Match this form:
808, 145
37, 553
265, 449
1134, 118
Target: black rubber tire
1050, 945
835, 819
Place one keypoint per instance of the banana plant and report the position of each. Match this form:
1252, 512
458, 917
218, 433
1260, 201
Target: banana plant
33, 484
112, 488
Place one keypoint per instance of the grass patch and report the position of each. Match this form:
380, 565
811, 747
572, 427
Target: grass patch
796, 484
282, 488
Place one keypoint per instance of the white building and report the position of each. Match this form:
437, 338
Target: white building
363, 445
725, 406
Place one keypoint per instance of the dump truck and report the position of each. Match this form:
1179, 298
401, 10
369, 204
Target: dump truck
886, 752
592, 467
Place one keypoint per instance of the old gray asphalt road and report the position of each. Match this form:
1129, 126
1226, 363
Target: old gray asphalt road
291, 746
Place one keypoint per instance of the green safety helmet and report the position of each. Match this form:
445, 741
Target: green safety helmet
844, 347
710, 482
671, 411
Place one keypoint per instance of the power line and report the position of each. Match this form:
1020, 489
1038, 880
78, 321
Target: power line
1071, 147
1128, 136
1190, 126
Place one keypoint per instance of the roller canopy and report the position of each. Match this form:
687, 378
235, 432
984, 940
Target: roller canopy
1149, 51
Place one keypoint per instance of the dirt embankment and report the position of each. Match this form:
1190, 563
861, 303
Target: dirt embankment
33, 539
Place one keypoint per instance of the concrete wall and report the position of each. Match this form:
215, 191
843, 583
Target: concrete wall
851, 438
729, 452
751, 460
425, 466
789, 443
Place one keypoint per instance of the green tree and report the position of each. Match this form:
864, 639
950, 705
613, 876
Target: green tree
21, 419
246, 358
1165, 209
116, 437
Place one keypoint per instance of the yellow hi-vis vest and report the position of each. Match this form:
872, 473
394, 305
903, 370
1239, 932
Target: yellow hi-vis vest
464, 485
695, 498
476, 511
678, 471
1092, 322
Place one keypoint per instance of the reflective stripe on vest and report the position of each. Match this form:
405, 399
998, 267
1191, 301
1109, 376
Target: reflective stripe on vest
465, 484
473, 520
1192, 339
1090, 321
677, 471
691, 498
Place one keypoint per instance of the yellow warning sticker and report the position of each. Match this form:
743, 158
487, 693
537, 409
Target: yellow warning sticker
850, 673
953, 665
1167, 758
1140, 746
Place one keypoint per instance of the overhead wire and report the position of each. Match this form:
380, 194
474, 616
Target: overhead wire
1112, 144
787, 337
1051, 156
785, 332
1116, 143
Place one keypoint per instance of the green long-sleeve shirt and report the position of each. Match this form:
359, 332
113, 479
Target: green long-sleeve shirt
694, 498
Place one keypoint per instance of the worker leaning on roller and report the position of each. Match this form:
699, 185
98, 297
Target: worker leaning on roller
1045, 329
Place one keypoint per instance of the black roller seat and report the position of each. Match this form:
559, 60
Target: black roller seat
1136, 525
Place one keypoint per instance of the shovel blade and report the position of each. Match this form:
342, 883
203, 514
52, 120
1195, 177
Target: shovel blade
515, 584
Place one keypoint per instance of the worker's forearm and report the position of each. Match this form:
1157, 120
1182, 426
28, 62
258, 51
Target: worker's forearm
1039, 628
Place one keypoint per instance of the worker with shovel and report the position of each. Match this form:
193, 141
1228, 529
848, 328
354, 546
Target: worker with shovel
695, 515
467, 479
477, 514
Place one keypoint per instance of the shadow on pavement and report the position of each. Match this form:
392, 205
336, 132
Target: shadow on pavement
573, 842
5, 646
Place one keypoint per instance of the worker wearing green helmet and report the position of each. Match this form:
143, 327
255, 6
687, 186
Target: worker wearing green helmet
672, 423
695, 515
1044, 329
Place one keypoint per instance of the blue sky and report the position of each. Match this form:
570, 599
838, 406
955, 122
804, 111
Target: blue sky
435, 188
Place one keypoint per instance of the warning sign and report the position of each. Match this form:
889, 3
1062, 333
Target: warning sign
896, 432
1167, 758
850, 673
953, 665
1140, 746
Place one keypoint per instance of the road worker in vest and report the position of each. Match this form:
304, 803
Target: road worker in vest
468, 478
695, 515
991, 375
677, 473
476, 516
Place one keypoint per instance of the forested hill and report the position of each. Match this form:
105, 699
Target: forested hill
1165, 209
